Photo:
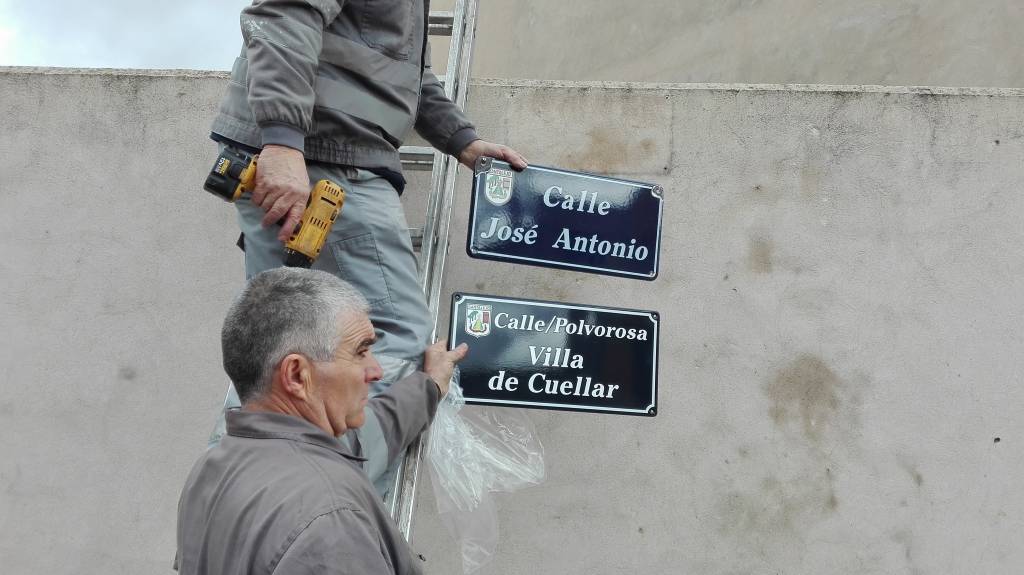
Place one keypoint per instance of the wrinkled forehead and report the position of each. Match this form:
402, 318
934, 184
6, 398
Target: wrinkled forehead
354, 328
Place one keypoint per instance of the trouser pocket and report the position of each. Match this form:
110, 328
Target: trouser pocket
359, 263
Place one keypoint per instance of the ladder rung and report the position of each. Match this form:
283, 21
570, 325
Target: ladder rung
417, 157
416, 235
440, 23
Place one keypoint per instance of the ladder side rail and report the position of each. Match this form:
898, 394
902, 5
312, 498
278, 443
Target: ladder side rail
428, 256
455, 56
428, 242
439, 222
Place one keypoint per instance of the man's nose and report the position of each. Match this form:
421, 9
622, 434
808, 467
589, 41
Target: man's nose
374, 372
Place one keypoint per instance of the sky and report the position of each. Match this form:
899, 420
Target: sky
197, 34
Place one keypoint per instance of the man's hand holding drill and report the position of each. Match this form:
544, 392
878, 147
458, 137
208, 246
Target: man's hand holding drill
282, 187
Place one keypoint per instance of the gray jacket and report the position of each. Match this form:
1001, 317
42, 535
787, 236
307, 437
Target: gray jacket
279, 495
342, 80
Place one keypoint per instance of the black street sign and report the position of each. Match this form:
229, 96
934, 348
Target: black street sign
552, 355
569, 220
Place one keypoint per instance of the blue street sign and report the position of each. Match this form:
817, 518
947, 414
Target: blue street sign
569, 220
551, 355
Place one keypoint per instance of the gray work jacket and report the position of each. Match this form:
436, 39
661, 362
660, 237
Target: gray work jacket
342, 80
279, 495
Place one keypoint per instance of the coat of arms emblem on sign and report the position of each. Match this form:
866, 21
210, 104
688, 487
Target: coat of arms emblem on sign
478, 320
498, 186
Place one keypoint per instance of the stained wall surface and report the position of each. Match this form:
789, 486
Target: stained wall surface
890, 42
840, 294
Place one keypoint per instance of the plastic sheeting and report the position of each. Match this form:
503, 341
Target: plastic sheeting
473, 453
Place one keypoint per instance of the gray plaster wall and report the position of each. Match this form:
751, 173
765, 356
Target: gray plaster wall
890, 42
841, 350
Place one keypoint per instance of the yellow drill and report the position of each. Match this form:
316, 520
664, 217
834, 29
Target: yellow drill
234, 173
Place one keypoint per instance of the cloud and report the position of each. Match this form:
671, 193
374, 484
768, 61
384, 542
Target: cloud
200, 34
7, 44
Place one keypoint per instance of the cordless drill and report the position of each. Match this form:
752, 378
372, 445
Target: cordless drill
234, 173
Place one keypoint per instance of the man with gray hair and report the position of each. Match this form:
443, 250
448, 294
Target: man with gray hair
285, 491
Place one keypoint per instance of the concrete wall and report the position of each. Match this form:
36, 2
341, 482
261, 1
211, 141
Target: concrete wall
841, 351
115, 269
891, 42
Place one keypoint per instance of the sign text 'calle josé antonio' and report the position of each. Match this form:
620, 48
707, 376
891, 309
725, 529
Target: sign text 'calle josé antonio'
562, 219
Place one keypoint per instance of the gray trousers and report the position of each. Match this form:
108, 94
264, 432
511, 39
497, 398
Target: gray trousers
369, 247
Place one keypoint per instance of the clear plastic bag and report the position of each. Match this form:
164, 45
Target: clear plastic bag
473, 453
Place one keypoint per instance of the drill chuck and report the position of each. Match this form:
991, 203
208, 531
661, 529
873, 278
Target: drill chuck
322, 208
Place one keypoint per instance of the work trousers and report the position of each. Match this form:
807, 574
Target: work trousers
369, 247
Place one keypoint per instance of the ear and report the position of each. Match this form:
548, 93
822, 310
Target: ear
295, 376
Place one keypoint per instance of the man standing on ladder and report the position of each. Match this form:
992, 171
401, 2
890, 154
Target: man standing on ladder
328, 89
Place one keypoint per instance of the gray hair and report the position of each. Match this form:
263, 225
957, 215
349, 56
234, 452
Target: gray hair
283, 311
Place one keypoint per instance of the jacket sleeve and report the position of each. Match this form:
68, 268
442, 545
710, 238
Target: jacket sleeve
341, 542
404, 410
438, 120
282, 44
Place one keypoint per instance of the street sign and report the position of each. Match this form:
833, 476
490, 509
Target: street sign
569, 220
552, 355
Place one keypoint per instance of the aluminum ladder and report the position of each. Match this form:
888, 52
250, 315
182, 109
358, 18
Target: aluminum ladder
432, 239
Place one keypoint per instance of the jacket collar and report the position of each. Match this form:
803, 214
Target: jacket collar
266, 425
